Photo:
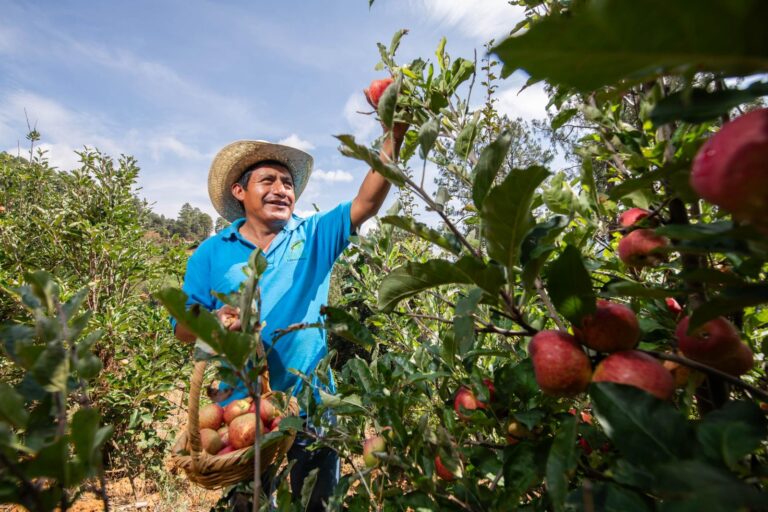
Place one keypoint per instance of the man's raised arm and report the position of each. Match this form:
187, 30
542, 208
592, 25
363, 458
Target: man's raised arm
375, 187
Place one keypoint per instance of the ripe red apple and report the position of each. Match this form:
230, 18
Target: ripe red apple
234, 409
561, 366
211, 416
585, 447
210, 441
242, 430
713, 341
611, 328
637, 369
731, 168
227, 449
224, 435
491, 388
371, 445
376, 89
267, 410
738, 363
442, 471
633, 216
640, 248
466, 399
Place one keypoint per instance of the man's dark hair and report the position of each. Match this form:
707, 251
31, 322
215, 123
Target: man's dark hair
246, 176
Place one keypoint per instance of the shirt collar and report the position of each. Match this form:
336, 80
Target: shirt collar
232, 231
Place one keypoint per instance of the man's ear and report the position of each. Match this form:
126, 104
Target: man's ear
238, 191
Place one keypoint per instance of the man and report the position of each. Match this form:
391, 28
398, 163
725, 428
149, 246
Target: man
255, 185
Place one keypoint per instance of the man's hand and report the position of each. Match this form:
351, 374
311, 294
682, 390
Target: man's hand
375, 187
229, 317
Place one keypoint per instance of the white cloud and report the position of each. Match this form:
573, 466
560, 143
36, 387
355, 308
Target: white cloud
529, 104
363, 126
170, 144
297, 142
480, 19
338, 175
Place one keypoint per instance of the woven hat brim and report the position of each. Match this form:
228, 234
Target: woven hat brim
230, 163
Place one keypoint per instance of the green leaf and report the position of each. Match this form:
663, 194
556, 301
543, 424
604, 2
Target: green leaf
561, 462
201, 322
352, 149
699, 105
732, 432
630, 289
465, 139
412, 278
506, 214
563, 117
728, 300
524, 466
608, 497
464, 321
12, 407
428, 135
461, 70
692, 485
570, 286
603, 42
388, 102
646, 430
395, 43
345, 325
89, 439
491, 159
645, 180
559, 196
51, 370
445, 240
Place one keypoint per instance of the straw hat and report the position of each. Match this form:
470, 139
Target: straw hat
230, 163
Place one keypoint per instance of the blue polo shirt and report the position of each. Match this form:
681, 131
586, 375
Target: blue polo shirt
293, 287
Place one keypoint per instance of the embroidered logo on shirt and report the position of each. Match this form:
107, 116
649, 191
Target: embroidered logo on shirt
296, 251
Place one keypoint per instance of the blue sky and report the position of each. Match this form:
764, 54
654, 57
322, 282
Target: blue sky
171, 82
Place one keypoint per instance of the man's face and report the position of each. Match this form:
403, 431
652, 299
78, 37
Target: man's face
269, 198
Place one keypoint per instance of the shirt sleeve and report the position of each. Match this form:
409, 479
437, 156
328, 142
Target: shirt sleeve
197, 282
334, 228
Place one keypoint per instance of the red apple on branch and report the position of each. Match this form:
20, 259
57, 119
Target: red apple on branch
731, 168
637, 369
640, 248
442, 471
561, 366
611, 328
633, 216
374, 91
713, 341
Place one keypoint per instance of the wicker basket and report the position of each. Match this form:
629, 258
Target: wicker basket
216, 471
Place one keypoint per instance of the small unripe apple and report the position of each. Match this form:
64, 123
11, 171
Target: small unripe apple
442, 471
211, 416
731, 168
466, 399
560, 365
210, 441
713, 341
235, 408
633, 216
376, 89
242, 430
516, 432
636, 369
640, 248
370, 446
611, 328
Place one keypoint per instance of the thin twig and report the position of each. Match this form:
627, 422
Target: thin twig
544, 296
709, 370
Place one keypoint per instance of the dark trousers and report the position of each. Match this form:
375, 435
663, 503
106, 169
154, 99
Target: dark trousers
325, 460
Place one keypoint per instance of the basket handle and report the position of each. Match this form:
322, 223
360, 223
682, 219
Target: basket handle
193, 411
